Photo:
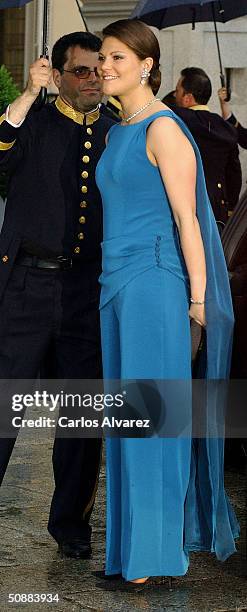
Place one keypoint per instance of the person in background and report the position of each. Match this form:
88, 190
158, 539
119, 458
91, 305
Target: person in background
217, 141
115, 107
51, 258
169, 99
230, 118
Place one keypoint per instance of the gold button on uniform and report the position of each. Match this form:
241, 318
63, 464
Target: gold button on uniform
77, 250
219, 185
87, 145
5, 259
82, 219
84, 174
81, 236
84, 189
222, 201
86, 159
89, 131
83, 204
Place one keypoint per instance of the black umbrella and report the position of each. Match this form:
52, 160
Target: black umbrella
166, 13
4, 4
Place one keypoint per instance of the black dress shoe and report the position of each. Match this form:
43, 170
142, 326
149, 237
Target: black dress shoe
151, 582
78, 549
103, 576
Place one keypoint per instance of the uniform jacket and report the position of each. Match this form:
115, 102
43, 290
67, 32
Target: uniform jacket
217, 143
241, 131
53, 201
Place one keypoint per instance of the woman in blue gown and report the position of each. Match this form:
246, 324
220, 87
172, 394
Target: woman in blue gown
162, 266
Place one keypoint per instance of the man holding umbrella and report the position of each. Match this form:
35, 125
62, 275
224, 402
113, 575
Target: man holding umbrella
50, 258
216, 141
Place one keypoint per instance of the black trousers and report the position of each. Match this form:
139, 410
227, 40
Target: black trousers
49, 321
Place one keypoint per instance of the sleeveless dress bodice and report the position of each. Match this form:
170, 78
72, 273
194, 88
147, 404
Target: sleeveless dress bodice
139, 233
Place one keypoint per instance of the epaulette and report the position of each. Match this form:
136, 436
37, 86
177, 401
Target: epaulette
114, 105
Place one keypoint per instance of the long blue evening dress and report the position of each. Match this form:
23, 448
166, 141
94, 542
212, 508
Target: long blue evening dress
165, 496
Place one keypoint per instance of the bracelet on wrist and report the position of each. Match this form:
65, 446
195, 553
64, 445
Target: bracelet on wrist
198, 302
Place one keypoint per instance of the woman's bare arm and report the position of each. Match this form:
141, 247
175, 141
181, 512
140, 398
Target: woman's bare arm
175, 157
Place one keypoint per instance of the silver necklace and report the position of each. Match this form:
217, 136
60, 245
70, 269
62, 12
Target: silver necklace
140, 110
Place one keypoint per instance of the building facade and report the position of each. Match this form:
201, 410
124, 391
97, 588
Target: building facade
21, 32
21, 42
12, 42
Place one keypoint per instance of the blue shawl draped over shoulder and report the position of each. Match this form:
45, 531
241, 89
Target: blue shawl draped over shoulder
208, 453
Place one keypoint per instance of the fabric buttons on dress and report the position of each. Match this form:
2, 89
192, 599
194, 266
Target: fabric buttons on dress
157, 249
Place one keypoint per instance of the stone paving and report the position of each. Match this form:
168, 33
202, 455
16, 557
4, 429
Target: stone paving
29, 562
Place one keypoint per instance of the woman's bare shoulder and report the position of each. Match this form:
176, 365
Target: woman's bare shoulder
166, 126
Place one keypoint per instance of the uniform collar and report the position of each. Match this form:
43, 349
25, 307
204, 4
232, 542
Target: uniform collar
203, 107
76, 116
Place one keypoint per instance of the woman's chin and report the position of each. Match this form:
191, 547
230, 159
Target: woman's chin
109, 90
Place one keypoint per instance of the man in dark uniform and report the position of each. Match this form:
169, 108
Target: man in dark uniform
50, 258
216, 140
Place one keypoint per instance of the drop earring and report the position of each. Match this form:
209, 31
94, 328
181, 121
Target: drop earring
145, 74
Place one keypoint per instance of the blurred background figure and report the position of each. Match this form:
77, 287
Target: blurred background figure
114, 105
170, 99
216, 139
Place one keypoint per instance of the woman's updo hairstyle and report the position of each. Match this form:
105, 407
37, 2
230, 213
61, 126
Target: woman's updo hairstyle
139, 38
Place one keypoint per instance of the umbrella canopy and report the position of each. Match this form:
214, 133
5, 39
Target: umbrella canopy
166, 13
4, 4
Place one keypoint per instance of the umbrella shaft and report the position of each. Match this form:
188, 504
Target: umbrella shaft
45, 29
218, 46
81, 13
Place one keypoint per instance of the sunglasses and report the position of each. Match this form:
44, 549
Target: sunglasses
82, 72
